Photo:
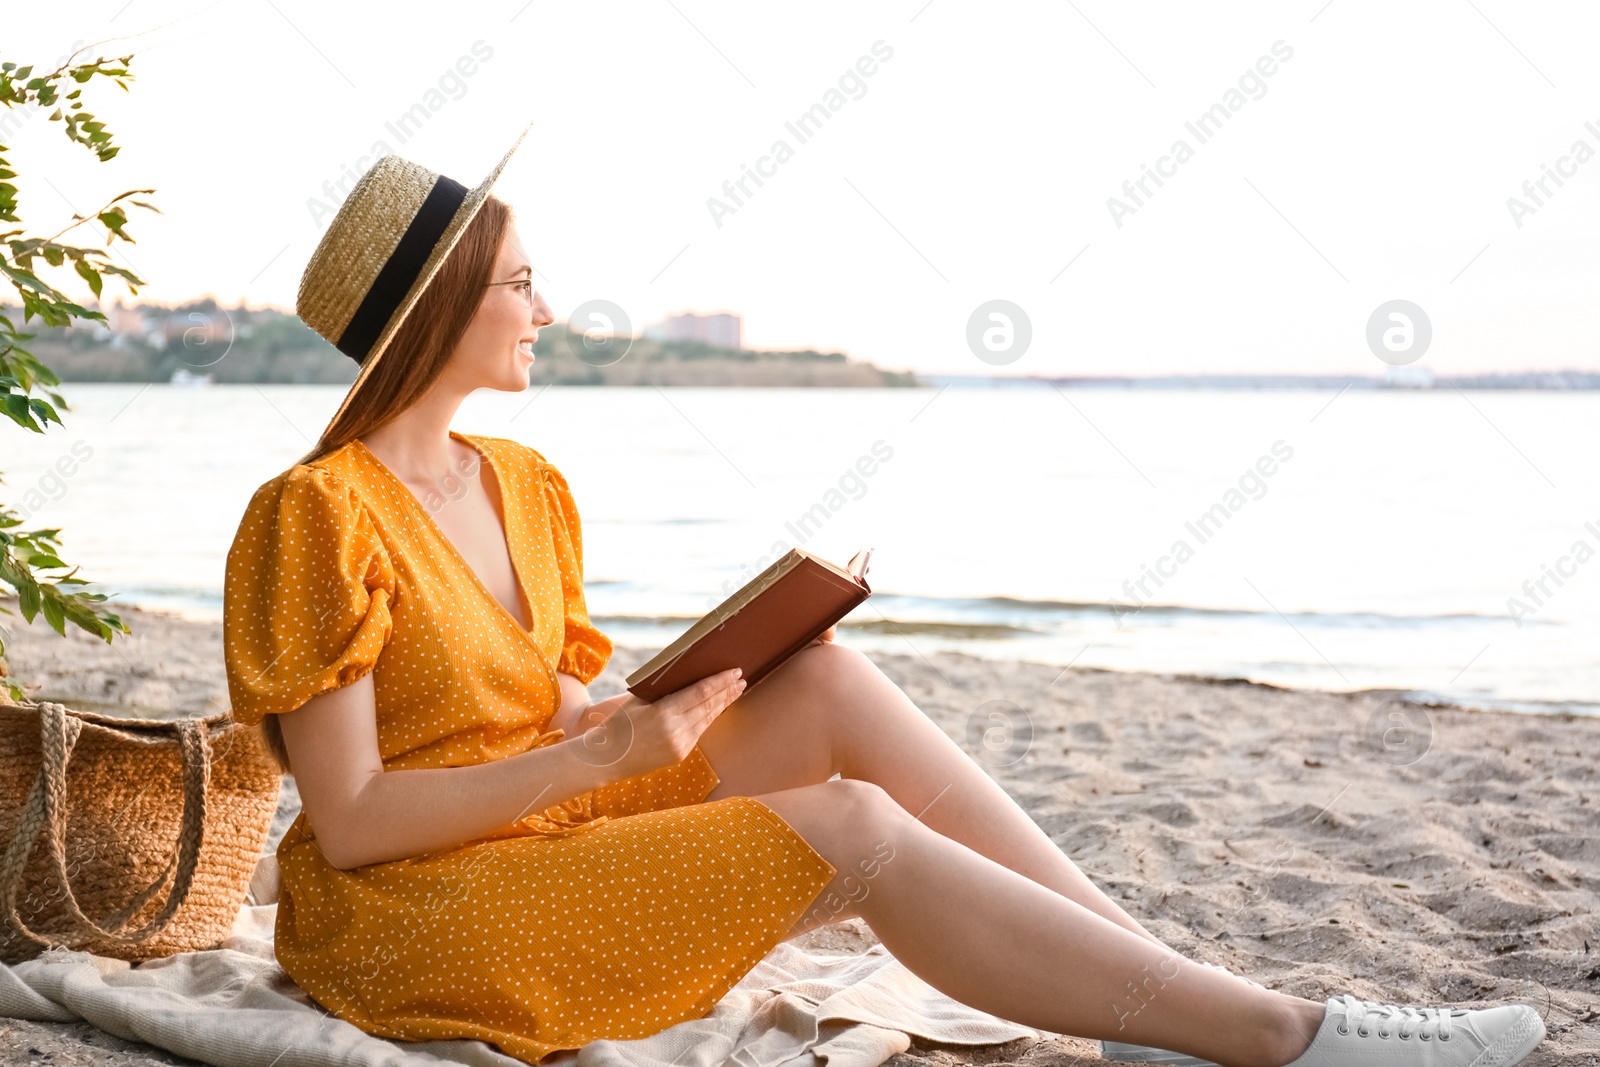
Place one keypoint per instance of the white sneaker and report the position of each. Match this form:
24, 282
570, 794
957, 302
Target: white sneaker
1362, 1032
1119, 1050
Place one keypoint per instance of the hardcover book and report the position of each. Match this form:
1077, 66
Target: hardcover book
773, 616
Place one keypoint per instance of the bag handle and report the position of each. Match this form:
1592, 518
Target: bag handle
46, 811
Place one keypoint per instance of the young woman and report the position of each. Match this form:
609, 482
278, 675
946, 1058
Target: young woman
485, 852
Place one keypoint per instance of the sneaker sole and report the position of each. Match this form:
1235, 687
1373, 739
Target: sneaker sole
1508, 1049
1511, 1046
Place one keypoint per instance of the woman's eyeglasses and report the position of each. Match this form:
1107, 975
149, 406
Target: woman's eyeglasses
526, 293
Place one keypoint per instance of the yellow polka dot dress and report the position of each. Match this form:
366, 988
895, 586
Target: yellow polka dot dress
614, 915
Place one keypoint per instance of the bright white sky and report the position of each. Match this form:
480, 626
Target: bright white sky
977, 165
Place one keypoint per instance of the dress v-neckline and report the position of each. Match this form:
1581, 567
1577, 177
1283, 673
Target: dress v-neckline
502, 512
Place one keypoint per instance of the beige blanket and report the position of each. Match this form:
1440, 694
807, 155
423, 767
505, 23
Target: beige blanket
235, 1007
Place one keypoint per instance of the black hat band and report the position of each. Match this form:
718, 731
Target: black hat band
402, 269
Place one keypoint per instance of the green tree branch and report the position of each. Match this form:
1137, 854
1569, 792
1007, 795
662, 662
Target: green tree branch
30, 561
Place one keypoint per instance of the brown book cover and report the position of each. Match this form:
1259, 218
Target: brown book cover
769, 619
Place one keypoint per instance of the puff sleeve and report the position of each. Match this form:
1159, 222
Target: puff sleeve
585, 651
306, 594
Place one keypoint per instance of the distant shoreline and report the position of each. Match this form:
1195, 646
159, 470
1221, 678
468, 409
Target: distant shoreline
180, 608
1554, 382
203, 343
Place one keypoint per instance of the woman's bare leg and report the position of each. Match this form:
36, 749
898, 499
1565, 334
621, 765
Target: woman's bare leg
985, 935
830, 709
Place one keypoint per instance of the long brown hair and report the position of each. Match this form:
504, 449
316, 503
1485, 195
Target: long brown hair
415, 357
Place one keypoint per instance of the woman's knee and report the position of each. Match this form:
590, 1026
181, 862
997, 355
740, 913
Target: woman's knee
866, 805
844, 819
827, 664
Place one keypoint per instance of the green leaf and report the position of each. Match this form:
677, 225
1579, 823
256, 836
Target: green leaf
90, 275
55, 615
16, 408
21, 278
131, 278
44, 412
28, 600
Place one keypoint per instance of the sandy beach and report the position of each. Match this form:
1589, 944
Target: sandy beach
1319, 843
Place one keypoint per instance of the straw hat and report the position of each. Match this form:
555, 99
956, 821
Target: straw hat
384, 245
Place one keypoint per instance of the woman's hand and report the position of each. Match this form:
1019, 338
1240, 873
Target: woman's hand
826, 635
625, 733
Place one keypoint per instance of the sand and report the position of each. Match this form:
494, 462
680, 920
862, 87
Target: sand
1312, 841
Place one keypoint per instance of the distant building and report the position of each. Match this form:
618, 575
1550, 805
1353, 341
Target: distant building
125, 318
122, 322
720, 328
1408, 377
196, 322
196, 326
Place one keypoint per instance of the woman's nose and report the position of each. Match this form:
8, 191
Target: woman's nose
542, 316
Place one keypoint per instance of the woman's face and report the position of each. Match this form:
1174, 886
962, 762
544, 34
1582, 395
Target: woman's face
496, 350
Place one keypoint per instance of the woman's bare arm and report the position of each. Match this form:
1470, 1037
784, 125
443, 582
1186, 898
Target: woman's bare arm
574, 698
363, 814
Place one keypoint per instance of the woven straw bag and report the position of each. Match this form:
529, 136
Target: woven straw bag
98, 813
